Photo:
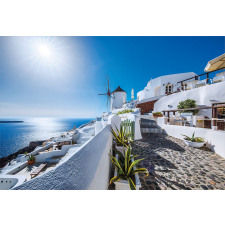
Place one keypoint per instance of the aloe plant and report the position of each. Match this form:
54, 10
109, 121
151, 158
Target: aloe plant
121, 136
125, 167
193, 138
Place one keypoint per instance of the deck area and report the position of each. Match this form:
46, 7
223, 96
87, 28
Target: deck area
174, 166
30, 168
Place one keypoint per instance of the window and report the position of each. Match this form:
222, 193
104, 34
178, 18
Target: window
169, 88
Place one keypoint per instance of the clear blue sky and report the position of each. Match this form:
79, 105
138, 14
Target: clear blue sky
64, 80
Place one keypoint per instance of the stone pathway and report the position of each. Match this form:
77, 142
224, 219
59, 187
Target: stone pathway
174, 166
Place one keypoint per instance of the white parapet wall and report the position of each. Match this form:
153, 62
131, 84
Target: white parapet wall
87, 169
203, 95
215, 139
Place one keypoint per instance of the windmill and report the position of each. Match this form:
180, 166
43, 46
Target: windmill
108, 93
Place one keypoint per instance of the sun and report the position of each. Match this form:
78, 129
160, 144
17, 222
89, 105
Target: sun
44, 50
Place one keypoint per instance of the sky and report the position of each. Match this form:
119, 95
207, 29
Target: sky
62, 76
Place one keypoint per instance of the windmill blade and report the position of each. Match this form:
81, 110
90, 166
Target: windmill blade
108, 82
102, 94
106, 87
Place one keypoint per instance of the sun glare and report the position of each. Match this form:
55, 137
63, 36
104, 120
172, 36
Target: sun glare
46, 56
44, 50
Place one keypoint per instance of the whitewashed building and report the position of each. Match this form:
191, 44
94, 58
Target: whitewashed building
160, 87
163, 85
118, 98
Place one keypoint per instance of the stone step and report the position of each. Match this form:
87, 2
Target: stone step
149, 125
157, 130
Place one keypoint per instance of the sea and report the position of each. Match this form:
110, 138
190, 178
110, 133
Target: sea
14, 136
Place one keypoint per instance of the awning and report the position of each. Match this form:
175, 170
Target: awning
216, 64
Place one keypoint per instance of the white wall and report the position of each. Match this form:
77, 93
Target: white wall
117, 99
114, 121
141, 95
149, 90
202, 95
87, 169
215, 139
8, 181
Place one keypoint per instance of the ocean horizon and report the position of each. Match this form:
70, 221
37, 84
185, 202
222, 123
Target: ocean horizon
14, 136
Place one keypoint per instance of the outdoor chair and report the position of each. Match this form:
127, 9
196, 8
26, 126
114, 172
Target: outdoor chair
200, 83
190, 85
218, 78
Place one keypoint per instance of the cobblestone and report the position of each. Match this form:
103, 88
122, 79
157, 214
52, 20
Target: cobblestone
174, 166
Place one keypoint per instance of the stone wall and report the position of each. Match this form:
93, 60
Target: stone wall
146, 106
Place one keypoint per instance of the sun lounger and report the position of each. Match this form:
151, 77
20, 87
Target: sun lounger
38, 169
218, 79
201, 83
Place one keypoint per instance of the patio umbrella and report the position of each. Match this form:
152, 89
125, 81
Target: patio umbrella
216, 64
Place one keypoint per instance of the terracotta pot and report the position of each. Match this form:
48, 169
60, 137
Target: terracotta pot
31, 162
157, 116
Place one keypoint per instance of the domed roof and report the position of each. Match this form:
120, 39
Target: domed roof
119, 89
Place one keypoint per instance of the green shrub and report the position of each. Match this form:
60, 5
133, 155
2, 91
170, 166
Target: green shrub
157, 114
125, 111
188, 103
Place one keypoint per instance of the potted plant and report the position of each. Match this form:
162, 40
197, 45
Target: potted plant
193, 141
30, 159
126, 173
121, 138
157, 114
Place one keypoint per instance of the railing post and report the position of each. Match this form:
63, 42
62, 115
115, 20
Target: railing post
214, 118
207, 78
168, 115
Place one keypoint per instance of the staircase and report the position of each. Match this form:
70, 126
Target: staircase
149, 125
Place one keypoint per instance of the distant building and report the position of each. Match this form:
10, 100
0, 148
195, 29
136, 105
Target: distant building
119, 97
160, 87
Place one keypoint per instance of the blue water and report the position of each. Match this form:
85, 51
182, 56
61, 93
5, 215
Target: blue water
14, 136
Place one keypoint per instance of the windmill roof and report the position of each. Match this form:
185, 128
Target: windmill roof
119, 89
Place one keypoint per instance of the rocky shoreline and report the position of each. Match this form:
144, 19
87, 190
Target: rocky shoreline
30, 148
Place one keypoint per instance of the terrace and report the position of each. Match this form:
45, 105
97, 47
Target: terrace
30, 168
174, 166
217, 122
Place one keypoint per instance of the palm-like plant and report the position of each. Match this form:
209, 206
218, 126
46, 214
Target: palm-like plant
125, 167
193, 138
121, 137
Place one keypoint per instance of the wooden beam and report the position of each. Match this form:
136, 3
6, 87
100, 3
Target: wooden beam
198, 108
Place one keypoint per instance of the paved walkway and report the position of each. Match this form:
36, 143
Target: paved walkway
174, 166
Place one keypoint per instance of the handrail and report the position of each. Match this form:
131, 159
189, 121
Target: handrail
197, 108
207, 73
